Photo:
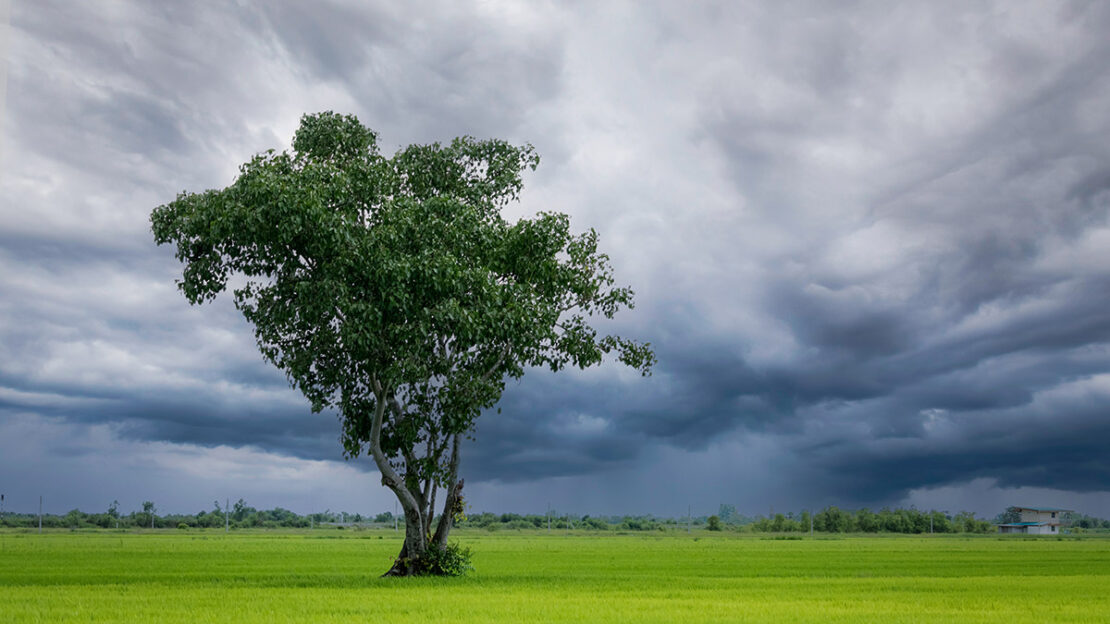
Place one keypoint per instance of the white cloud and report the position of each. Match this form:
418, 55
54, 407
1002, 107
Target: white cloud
87, 467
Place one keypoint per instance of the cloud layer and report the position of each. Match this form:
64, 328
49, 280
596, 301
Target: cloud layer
870, 243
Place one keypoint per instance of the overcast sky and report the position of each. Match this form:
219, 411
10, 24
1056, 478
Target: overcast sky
869, 243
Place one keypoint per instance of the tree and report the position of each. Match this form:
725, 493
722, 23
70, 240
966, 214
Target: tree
1011, 515
713, 524
113, 512
939, 522
867, 521
240, 510
805, 521
74, 519
149, 511
832, 520
727, 513
393, 291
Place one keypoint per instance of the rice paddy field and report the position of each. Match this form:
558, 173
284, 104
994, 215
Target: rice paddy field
332, 576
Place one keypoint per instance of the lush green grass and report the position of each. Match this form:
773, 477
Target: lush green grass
327, 576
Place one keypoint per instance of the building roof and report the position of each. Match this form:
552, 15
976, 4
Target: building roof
1021, 524
1044, 509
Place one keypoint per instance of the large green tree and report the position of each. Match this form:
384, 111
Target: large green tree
392, 291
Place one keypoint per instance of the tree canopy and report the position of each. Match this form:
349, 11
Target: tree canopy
393, 291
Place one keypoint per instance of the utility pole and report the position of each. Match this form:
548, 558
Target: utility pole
811, 523
40, 514
689, 516
549, 517
227, 521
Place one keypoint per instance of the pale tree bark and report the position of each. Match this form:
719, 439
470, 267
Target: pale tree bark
454, 496
415, 537
417, 499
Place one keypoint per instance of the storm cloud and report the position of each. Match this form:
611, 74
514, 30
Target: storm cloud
869, 244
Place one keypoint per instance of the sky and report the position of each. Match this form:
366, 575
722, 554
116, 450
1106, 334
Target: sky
869, 244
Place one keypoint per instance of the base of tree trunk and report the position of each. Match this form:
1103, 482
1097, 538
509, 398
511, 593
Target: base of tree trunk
403, 565
450, 560
409, 568
399, 569
406, 565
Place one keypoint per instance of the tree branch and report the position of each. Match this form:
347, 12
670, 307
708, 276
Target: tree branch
389, 476
447, 519
500, 360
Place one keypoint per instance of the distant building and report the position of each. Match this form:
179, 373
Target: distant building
1036, 521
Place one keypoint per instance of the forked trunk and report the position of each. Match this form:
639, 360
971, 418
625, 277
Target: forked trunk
414, 560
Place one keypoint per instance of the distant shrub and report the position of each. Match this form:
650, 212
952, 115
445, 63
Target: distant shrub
596, 524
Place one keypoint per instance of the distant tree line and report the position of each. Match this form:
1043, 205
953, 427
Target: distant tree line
1072, 520
239, 515
562, 522
1088, 523
831, 519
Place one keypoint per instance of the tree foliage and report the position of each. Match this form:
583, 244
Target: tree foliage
392, 291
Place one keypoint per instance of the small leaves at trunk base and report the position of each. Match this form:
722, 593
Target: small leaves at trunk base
453, 560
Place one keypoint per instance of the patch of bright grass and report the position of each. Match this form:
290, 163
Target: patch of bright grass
539, 577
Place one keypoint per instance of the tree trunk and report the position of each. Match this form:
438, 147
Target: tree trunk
419, 510
453, 505
417, 526
416, 542
408, 562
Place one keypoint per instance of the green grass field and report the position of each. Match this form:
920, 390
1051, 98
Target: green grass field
332, 576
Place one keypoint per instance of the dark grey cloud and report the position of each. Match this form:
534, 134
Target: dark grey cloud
1020, 446
869, 244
